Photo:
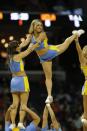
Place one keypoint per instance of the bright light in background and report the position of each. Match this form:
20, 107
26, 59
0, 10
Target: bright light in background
14, 16
22, 39
4, 54
3, 41
71, 17
20, 22
24, 16
11, 38
19, 16
47, 23
76, 19
6, 45
80, 18
47, 16
76, 23
1, 15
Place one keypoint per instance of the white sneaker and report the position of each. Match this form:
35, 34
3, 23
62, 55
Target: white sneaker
20, 125
79, 32
75, 32
12, 126
49, 99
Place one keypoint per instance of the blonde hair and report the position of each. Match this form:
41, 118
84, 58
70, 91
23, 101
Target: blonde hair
35, 21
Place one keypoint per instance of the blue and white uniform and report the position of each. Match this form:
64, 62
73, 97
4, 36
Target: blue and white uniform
18, 83
51, 53
30, 127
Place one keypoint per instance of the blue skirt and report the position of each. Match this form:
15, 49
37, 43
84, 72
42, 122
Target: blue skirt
49, 55
20, 84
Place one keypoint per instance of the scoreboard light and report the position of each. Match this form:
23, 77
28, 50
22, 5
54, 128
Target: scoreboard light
24, 16
47, 23
14, 16
19, 16
76, 19
51, 17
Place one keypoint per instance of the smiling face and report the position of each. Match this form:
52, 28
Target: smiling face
38, 27
84, 51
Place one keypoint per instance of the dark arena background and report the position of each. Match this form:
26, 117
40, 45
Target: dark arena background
59, 18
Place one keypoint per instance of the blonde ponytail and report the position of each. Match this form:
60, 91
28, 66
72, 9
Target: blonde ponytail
31, 29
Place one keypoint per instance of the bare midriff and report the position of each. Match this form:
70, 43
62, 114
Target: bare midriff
42, 51
20, 73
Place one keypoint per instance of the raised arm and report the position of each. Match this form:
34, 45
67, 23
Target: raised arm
79, 50
45, 118
26, 41
34, 116
26, 52
52, 115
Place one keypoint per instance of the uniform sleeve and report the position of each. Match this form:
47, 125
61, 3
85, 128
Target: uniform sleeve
31, 127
